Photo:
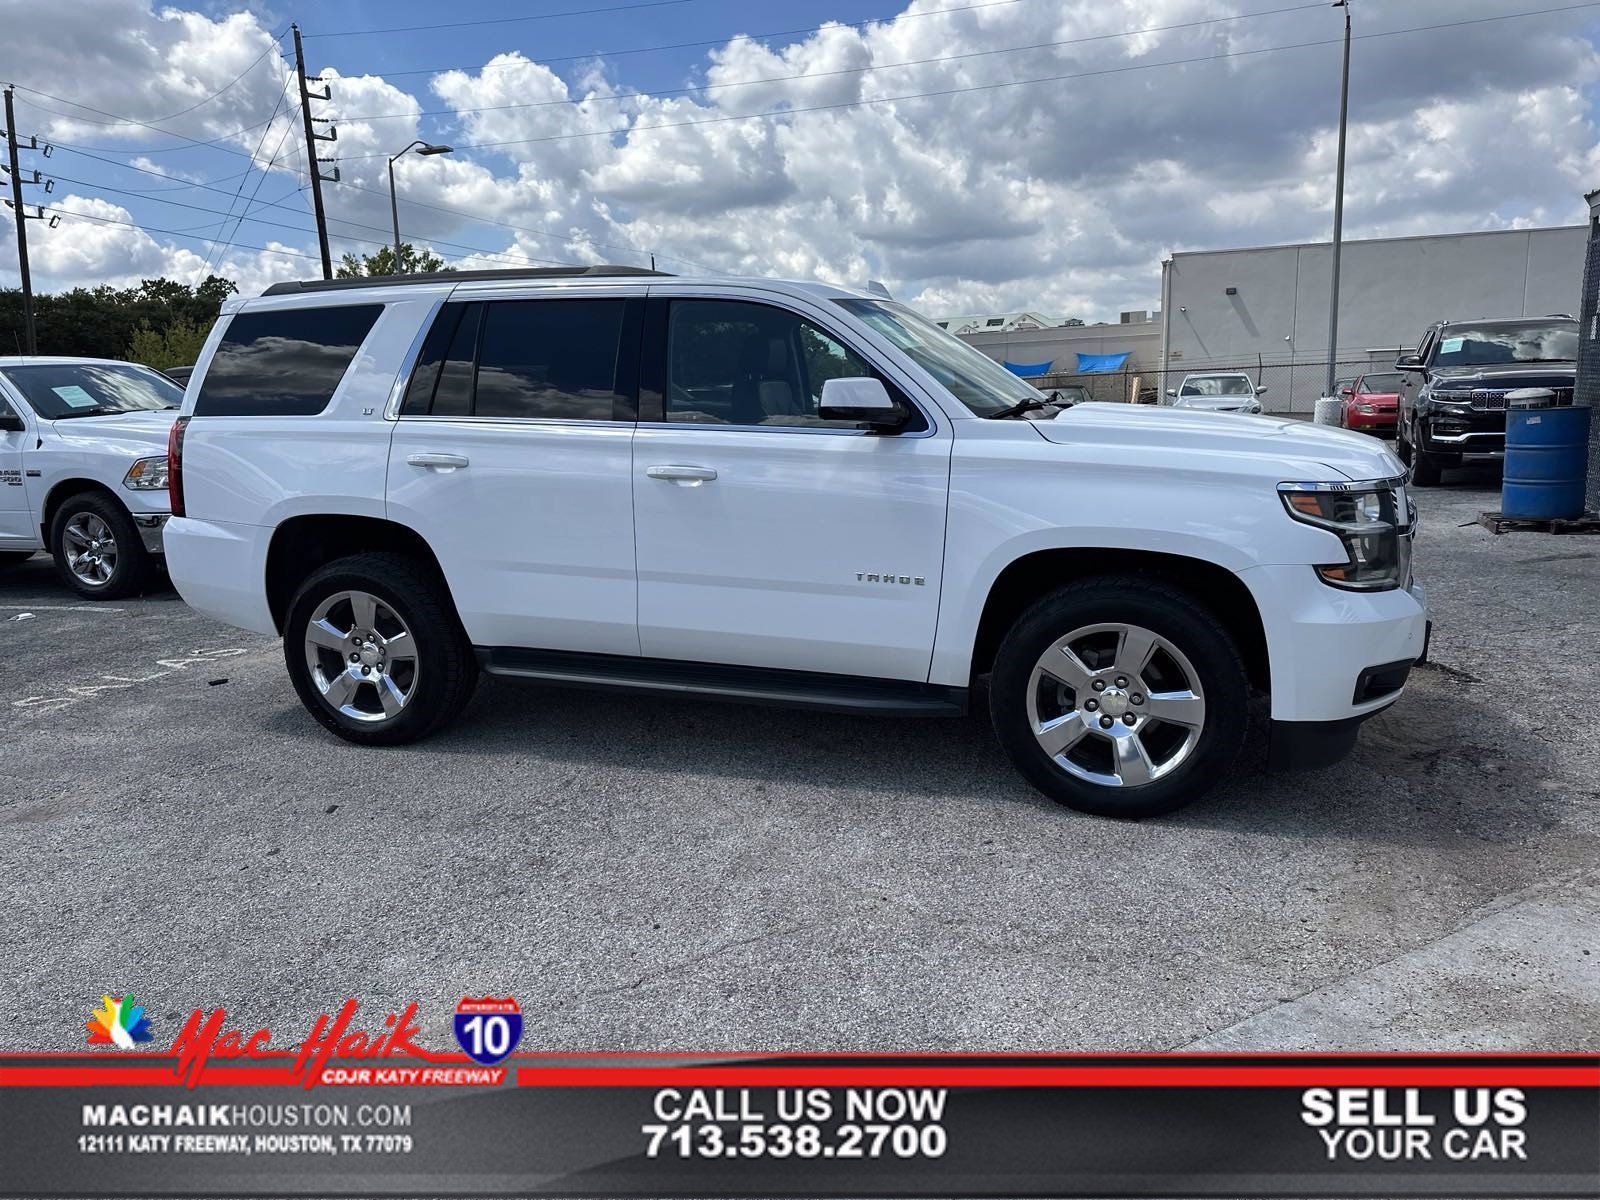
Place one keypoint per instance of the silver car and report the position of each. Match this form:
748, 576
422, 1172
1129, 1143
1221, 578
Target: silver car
1230, 391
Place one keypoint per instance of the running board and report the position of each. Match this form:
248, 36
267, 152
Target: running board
715, 681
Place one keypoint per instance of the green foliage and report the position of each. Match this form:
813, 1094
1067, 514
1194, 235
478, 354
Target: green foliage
178, 345
103, 322
381, 262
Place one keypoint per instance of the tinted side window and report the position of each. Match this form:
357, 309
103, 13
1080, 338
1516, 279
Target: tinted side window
441, 384
283, 363
731, 362
549, 358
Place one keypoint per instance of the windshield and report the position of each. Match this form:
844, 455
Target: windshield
61, 390
1380, 385
1218, 385
976, 380
1551, 340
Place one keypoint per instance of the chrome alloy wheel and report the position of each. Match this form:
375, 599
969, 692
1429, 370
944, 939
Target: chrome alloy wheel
90, 548
1116, 705
362, 657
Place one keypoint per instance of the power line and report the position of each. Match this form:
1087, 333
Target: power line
119, 120
217, 141
572, 12
147, 124
630, 130
188, 235
737, 37
915, 62
147, 229
301, 229
283, 92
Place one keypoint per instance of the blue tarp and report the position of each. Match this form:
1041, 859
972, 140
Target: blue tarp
1101, 364
1029, 370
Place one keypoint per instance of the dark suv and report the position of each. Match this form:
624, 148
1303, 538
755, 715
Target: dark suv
1453, 404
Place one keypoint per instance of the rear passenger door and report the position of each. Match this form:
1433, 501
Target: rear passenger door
511, 456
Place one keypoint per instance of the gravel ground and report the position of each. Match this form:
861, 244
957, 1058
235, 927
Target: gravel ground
654, 874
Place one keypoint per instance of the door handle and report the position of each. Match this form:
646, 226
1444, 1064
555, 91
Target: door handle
686, 476
439, 462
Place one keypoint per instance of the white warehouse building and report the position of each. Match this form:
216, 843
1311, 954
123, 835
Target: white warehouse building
1265, 309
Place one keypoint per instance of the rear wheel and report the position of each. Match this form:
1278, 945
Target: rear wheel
375, 651
1119, 697
98, 551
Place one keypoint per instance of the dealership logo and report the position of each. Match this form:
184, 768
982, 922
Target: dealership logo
119, 1022
488, 1029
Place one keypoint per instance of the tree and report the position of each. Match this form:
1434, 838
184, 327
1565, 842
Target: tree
102, 322
178, 345
381, 262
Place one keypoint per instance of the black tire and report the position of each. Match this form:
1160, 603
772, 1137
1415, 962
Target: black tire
446, 670
132, 570
14, 558
1165, 610
1425, 469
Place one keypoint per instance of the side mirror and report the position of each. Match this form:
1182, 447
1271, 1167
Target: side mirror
10, 422
1260, 391
1172, 391
1408, 362
862, 400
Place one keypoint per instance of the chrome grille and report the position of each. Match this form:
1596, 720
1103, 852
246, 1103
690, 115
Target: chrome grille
1489, 401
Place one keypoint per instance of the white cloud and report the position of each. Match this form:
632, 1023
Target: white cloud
1061, 196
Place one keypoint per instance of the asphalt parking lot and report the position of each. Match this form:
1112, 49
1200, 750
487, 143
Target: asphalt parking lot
653, 874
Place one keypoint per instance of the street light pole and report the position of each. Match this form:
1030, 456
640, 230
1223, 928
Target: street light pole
420, 147
1338, 205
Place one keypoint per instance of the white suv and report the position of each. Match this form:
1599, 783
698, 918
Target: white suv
83, 468
784, 493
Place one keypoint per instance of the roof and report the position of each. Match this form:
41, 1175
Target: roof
564, 278
372, 281
1348, 242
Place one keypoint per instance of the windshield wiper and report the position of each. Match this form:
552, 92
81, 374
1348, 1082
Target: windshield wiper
1020, 407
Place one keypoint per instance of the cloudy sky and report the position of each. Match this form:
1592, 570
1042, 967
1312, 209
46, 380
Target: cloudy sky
972, 154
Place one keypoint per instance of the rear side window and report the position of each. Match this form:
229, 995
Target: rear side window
283, 363
529, 359
555, 359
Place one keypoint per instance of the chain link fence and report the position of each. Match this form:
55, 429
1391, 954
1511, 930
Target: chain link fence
1293, 388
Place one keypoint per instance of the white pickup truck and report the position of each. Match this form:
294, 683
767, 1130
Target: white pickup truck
83, 468
777, 493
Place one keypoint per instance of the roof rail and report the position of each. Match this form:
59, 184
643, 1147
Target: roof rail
365, 281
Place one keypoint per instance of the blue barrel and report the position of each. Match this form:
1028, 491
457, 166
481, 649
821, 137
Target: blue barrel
1547, 451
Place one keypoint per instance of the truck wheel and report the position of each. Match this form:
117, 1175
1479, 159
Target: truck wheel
1119, 696
98, 551
1425, 469
375, 651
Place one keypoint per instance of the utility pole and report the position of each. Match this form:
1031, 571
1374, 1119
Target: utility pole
1338, 206
312, 138
14, 169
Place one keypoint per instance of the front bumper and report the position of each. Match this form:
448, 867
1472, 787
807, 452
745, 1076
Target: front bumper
152, 527
1383, 422
1465, 435
1321, 639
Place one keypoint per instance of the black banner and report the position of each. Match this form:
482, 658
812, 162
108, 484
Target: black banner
813, 1125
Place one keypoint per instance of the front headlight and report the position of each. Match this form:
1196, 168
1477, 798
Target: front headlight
1372, 519
147, 474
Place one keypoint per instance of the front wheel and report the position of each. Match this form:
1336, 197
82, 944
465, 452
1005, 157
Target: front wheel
98, 551
375, 651
1119, 697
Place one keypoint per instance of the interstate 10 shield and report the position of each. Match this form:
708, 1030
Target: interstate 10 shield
488, 1029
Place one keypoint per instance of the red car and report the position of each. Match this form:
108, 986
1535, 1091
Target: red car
1372, 403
